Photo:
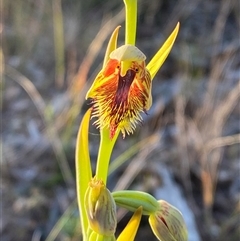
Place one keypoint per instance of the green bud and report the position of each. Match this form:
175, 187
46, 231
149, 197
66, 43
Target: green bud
167, 223
100, 208
132, 200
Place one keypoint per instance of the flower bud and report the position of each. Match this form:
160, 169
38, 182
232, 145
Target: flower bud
168, 224
100, 208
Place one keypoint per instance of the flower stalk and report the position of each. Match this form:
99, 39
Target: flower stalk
131, 200
104, 154
130, 21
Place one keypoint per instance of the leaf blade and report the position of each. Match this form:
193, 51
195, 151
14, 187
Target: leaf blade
83, 168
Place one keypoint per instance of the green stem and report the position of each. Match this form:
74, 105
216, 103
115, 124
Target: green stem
104, 153
131, 21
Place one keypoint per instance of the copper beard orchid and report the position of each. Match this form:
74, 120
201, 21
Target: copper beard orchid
121, 91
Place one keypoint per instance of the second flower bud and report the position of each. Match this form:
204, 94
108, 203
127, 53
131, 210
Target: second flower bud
101, 208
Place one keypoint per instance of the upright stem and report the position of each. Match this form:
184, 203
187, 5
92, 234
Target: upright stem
106, 143
131, 21
104, 153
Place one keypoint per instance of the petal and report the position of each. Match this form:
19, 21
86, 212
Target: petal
130, 230
159, 58
105, 76
112, 44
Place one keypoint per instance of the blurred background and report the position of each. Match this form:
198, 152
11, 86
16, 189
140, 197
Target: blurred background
186, 151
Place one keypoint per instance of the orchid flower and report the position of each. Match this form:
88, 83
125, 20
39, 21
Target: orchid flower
122, 89
120, 93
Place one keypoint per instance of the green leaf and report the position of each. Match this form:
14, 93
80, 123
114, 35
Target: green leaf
83, 168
